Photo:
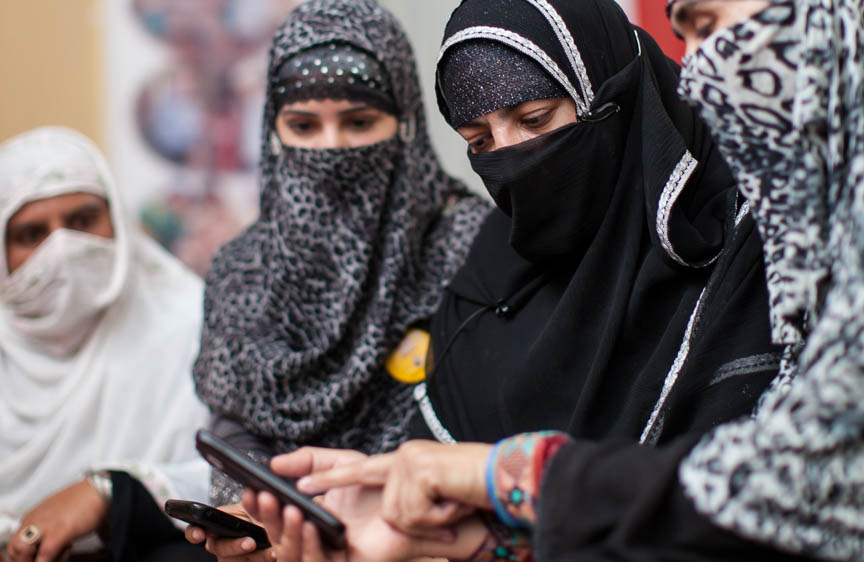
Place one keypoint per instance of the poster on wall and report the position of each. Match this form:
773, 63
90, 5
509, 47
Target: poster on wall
186, 83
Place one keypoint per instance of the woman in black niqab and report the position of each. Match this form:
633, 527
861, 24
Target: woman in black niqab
618, 291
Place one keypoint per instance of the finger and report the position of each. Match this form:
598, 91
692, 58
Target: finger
291, 539
443, 535
372, 471
229, 547
20, 552
249, 500
467, 538
311, 459
442, 514
49, 549
270, 516
195, 535
312, 549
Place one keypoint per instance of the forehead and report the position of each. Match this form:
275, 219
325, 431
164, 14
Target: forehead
681, 9
54, 207
324, 107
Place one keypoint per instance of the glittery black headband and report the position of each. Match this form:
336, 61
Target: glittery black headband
334, 71
480, 76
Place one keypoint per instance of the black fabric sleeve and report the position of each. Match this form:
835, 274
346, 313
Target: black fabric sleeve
621, 501
138, 530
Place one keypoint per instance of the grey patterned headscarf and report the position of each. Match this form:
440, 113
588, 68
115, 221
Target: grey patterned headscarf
352, 246
782, 92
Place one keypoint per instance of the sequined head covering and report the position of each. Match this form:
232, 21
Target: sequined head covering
481, 76
335, 71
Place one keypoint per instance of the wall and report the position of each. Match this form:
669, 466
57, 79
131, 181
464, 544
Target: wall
51, 64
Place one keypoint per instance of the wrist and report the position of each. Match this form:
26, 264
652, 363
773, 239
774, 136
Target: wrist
100, 481
514, 471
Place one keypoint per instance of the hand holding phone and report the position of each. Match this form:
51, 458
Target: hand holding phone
216, 522
241, 468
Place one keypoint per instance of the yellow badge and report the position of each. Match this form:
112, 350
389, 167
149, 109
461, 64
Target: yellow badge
407, 363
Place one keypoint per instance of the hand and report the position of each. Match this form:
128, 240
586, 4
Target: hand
61, 519
240, 549
427, 485
368, 536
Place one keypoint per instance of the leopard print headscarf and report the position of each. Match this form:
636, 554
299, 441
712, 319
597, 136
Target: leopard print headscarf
783, 92
352, 246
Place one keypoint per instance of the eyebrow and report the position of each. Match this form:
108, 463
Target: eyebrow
356, 108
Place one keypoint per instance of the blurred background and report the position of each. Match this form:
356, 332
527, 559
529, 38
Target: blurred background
172, 90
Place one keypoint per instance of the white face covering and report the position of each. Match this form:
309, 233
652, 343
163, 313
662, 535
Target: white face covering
55, 298
743, 80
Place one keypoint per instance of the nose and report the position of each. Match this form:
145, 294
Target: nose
332, 137
691, 44
506, 135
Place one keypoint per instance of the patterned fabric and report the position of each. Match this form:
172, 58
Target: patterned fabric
514, 472
782, 91
759, 140
352, 246
337, 72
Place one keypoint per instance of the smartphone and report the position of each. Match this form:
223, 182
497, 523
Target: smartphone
252, 475
216, 522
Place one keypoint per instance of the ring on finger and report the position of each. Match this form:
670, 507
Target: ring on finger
30, 534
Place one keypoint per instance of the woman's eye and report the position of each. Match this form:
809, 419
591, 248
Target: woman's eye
82, 221
301, 127
361, 124
535, 121
704, 26
29, 236
479, 145
705, 31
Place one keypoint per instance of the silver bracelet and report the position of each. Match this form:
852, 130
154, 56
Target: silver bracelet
100, 480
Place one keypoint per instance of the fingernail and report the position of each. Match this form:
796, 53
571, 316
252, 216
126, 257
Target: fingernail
248, 544
305, 484
198, 534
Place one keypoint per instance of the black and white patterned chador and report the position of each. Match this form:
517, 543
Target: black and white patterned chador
782, 91
352, 246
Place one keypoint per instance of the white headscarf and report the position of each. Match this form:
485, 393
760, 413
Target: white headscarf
113, 390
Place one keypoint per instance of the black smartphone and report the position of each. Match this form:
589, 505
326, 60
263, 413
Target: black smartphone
241, 468
216, 522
